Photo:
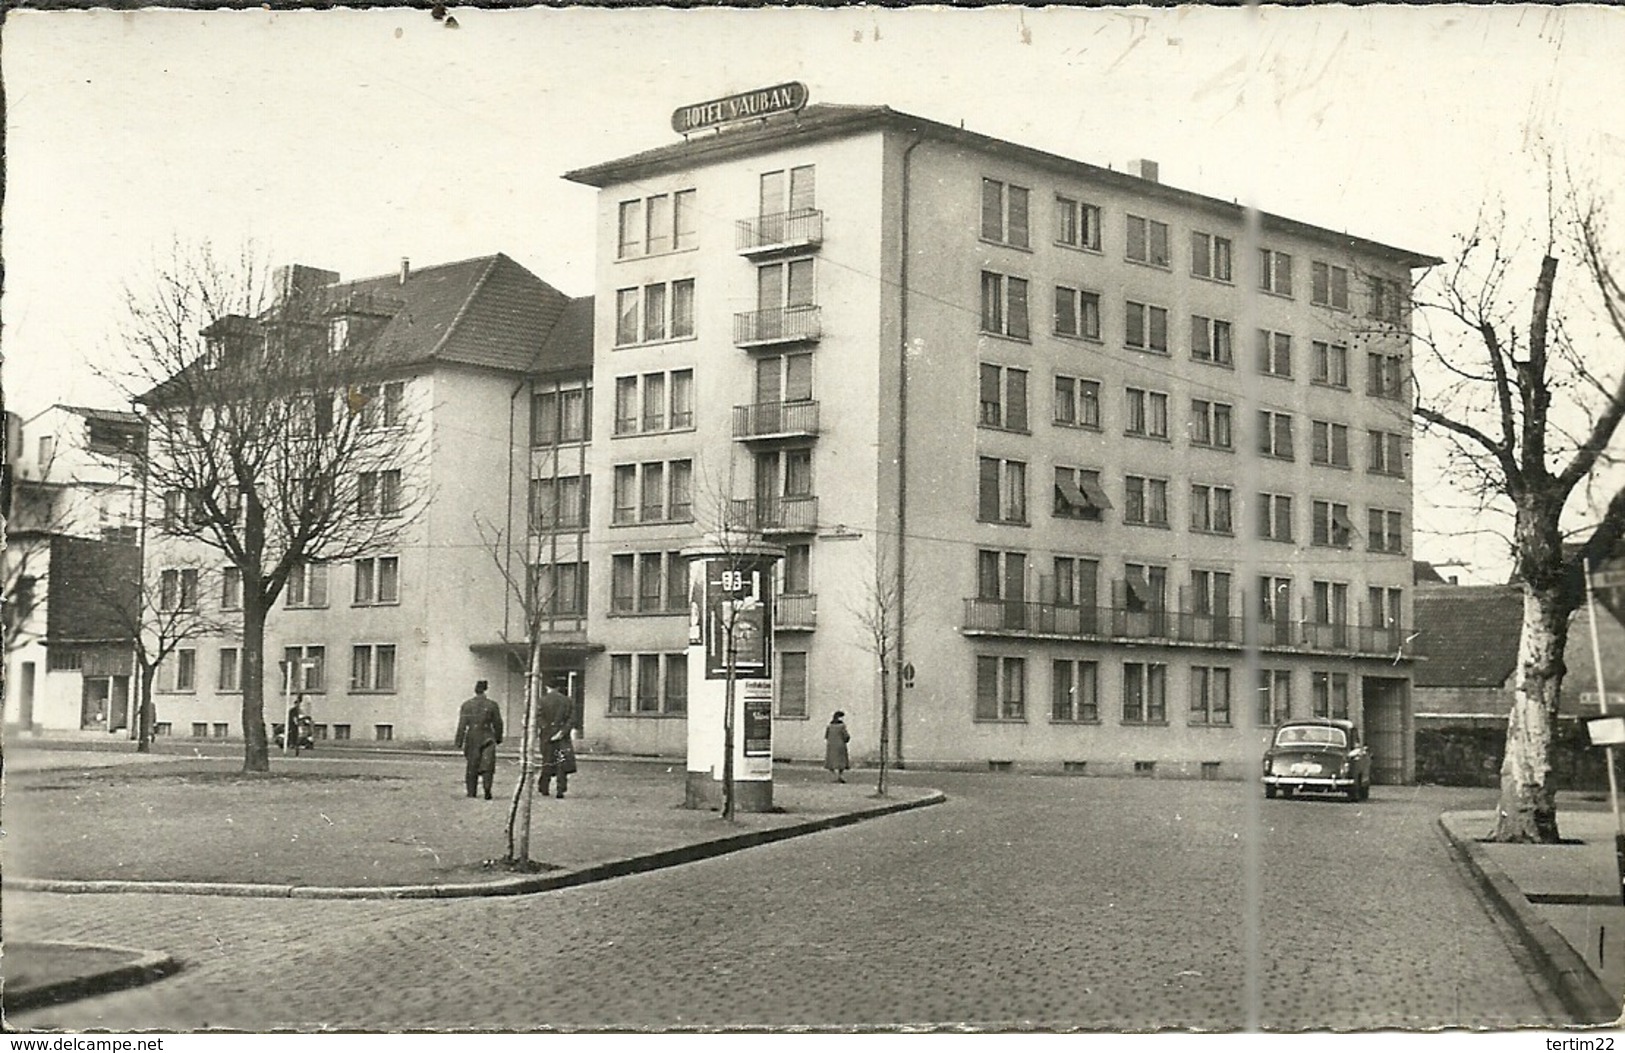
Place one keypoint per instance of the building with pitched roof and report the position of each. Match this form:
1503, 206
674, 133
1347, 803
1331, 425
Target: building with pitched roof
387, 645
1092, 426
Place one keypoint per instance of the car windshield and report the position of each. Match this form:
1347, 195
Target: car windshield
1311, 735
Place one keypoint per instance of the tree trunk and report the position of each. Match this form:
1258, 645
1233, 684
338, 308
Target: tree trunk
519, 814
885, 726
1528, 806
143, 742
256, 754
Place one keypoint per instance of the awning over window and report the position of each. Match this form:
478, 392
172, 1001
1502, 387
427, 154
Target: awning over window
1070, 493
1095, 495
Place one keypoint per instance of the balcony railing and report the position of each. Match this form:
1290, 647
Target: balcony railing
1021, 618
775, 419
777, 325
803, 228
795, 611
777, 515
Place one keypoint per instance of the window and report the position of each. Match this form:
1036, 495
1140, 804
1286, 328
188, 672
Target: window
1210, 340
642, 404
1145, 587
1004, 305
304, 669
177, 590
220, 730
307, 585
1275, 599
341, 732
1077, 402
560, 503
1332, 527
1274, 354
1275, 517
1384, 455
1210, 424
377, 581
1331, 603
1385, 300
1075, 584
1329, 444
797, 566
658, 683
656, 224
1145, 501
1145, 328
792, 683
1385, 375
372, 668
1330, 365
1003, 398
785, 194
1147, 413
558, 590
1328, 285
230, 678
1210, 256
379, 493
1004, 213
1077, 313
1274, 696
1075, 692
787, 284
1077, 223
1001, 688
231, 589
1145, 693
1001, 494
1275, 272
1001, 575
561, 415
380, 405
1078, 494
648, 583
1210, 509
1210, 694
383, 732
1386, 606
1147, 241
64, 660
654, 492
1210, 597
1329, 695
1275, 434
663, 311
1385, 533
47, 450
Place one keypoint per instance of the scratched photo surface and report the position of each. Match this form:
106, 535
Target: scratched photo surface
849, 520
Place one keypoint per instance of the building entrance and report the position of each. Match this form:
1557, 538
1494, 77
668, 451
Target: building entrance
1387, 729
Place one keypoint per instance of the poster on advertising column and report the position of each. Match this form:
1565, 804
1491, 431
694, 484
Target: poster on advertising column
758, 722
738, 603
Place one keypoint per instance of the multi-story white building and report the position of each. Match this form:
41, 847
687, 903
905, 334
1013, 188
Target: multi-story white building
1102, 424
386, 646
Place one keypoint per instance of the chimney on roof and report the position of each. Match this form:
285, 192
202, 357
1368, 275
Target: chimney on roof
406, 269
1144, 168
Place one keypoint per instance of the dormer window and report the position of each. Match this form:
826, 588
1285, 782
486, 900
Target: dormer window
338, 334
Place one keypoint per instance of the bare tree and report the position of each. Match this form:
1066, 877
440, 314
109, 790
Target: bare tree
1530, 414
879, 617
269, 438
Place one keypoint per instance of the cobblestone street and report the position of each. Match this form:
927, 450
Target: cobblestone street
1021, 902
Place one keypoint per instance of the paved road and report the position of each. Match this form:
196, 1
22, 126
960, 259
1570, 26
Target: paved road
1024, 901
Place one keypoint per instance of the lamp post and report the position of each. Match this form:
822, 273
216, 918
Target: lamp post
1607, 732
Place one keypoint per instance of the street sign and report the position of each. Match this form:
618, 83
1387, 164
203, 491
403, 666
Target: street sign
1606, 731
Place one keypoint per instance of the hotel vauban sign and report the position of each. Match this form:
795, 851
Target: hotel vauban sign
763, 102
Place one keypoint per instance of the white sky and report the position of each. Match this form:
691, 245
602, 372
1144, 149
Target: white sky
348, 139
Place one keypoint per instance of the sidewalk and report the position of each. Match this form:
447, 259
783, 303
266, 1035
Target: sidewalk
1563, 900
390, 826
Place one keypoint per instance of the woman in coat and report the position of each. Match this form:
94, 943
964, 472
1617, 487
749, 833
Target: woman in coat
835, 740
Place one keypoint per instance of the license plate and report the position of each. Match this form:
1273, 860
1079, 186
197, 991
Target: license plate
1305, 768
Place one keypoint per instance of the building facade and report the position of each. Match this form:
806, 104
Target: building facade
1101, 430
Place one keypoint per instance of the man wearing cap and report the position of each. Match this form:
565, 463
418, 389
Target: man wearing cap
479, 729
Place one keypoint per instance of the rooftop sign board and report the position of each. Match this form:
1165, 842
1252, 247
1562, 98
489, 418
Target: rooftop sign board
763, 102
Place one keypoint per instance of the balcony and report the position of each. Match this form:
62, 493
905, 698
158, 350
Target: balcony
776, 420
777, 515
1028, 620
774, 326
781, 232
795, 612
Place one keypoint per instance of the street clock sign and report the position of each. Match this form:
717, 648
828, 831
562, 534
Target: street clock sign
749, 105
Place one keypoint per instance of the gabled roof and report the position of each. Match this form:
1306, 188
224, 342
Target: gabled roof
1468, 633
94, 413
825, 121
568, 347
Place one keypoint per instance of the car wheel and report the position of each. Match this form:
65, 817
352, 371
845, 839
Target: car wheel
1269, 792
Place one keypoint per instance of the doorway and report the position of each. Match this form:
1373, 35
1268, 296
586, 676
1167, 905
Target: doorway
1388, 728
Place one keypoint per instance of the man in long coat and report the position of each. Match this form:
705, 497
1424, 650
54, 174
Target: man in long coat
479, 729
554, 718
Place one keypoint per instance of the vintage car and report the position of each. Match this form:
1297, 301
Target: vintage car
1317, 754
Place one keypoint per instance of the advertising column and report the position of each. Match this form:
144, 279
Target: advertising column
730, 648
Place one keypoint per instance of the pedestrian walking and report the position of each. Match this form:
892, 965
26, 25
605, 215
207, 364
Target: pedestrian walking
835, 739
479, 729
294, 731
554, 718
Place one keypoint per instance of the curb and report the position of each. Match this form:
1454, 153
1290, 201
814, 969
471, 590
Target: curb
1582, 995
145, 967
517, 886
